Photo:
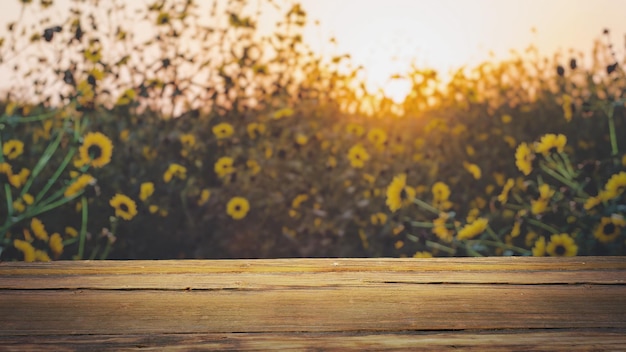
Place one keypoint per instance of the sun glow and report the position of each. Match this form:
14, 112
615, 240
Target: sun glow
386, 38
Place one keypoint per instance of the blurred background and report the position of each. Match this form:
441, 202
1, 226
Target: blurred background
267, 128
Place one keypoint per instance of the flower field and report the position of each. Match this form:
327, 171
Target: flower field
196, 141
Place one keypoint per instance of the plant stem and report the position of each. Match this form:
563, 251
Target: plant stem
426, 206
441, 247
56, 175
43, 161
83, 228
543, 226
503, 246
612, 134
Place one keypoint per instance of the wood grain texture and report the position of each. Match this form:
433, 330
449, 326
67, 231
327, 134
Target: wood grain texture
471, 303
505, 341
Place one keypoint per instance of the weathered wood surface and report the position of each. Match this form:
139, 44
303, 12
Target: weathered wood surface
480, 304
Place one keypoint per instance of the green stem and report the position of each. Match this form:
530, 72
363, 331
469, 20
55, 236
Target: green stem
612, 133
493, 234
83, 228
56, 175
557, 176
94, 252
43, 161
106, 251
440, 247
422, 224
543, 226
503, 246
472, 252
20, 119
568, 165
9, 196
426, 206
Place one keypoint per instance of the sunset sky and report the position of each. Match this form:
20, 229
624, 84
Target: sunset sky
386, 36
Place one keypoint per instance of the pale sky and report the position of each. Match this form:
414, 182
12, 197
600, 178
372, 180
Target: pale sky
386, 35
446, 34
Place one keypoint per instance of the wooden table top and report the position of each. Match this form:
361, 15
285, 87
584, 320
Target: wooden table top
482, 304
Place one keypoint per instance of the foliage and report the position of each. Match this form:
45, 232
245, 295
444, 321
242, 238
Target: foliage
212, 141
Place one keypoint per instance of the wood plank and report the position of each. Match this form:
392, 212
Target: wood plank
375, 307
266, 274
475, 304
489, 341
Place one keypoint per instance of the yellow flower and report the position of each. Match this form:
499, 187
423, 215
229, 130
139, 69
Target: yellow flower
378, 218
96, 150
510, 141
223, 130
146, 189
472, 169
7, 171
609, 229
126, 98
422, 255
163, 18
567, 107
148, 153
615, 186
254, 167
70, 231
298, 200
13, 148
473, 229
331, 162
550, 142
301, 139
93, 53
355, 129
205, 194
23, 175
516, 230
285, 112
175, 170
124, 134
539, 206
539, 250
26, 249
224, 166
39, 229
592, 202
153, 208
56, 244
399, 194
506, 119
238, 208
562, 245
472, 214
125, 207
377, 136
441, 193
504, 196
524, 158
441, 230
18, 206
78, 185
188, 140
358, 156
41, 256
255, 129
